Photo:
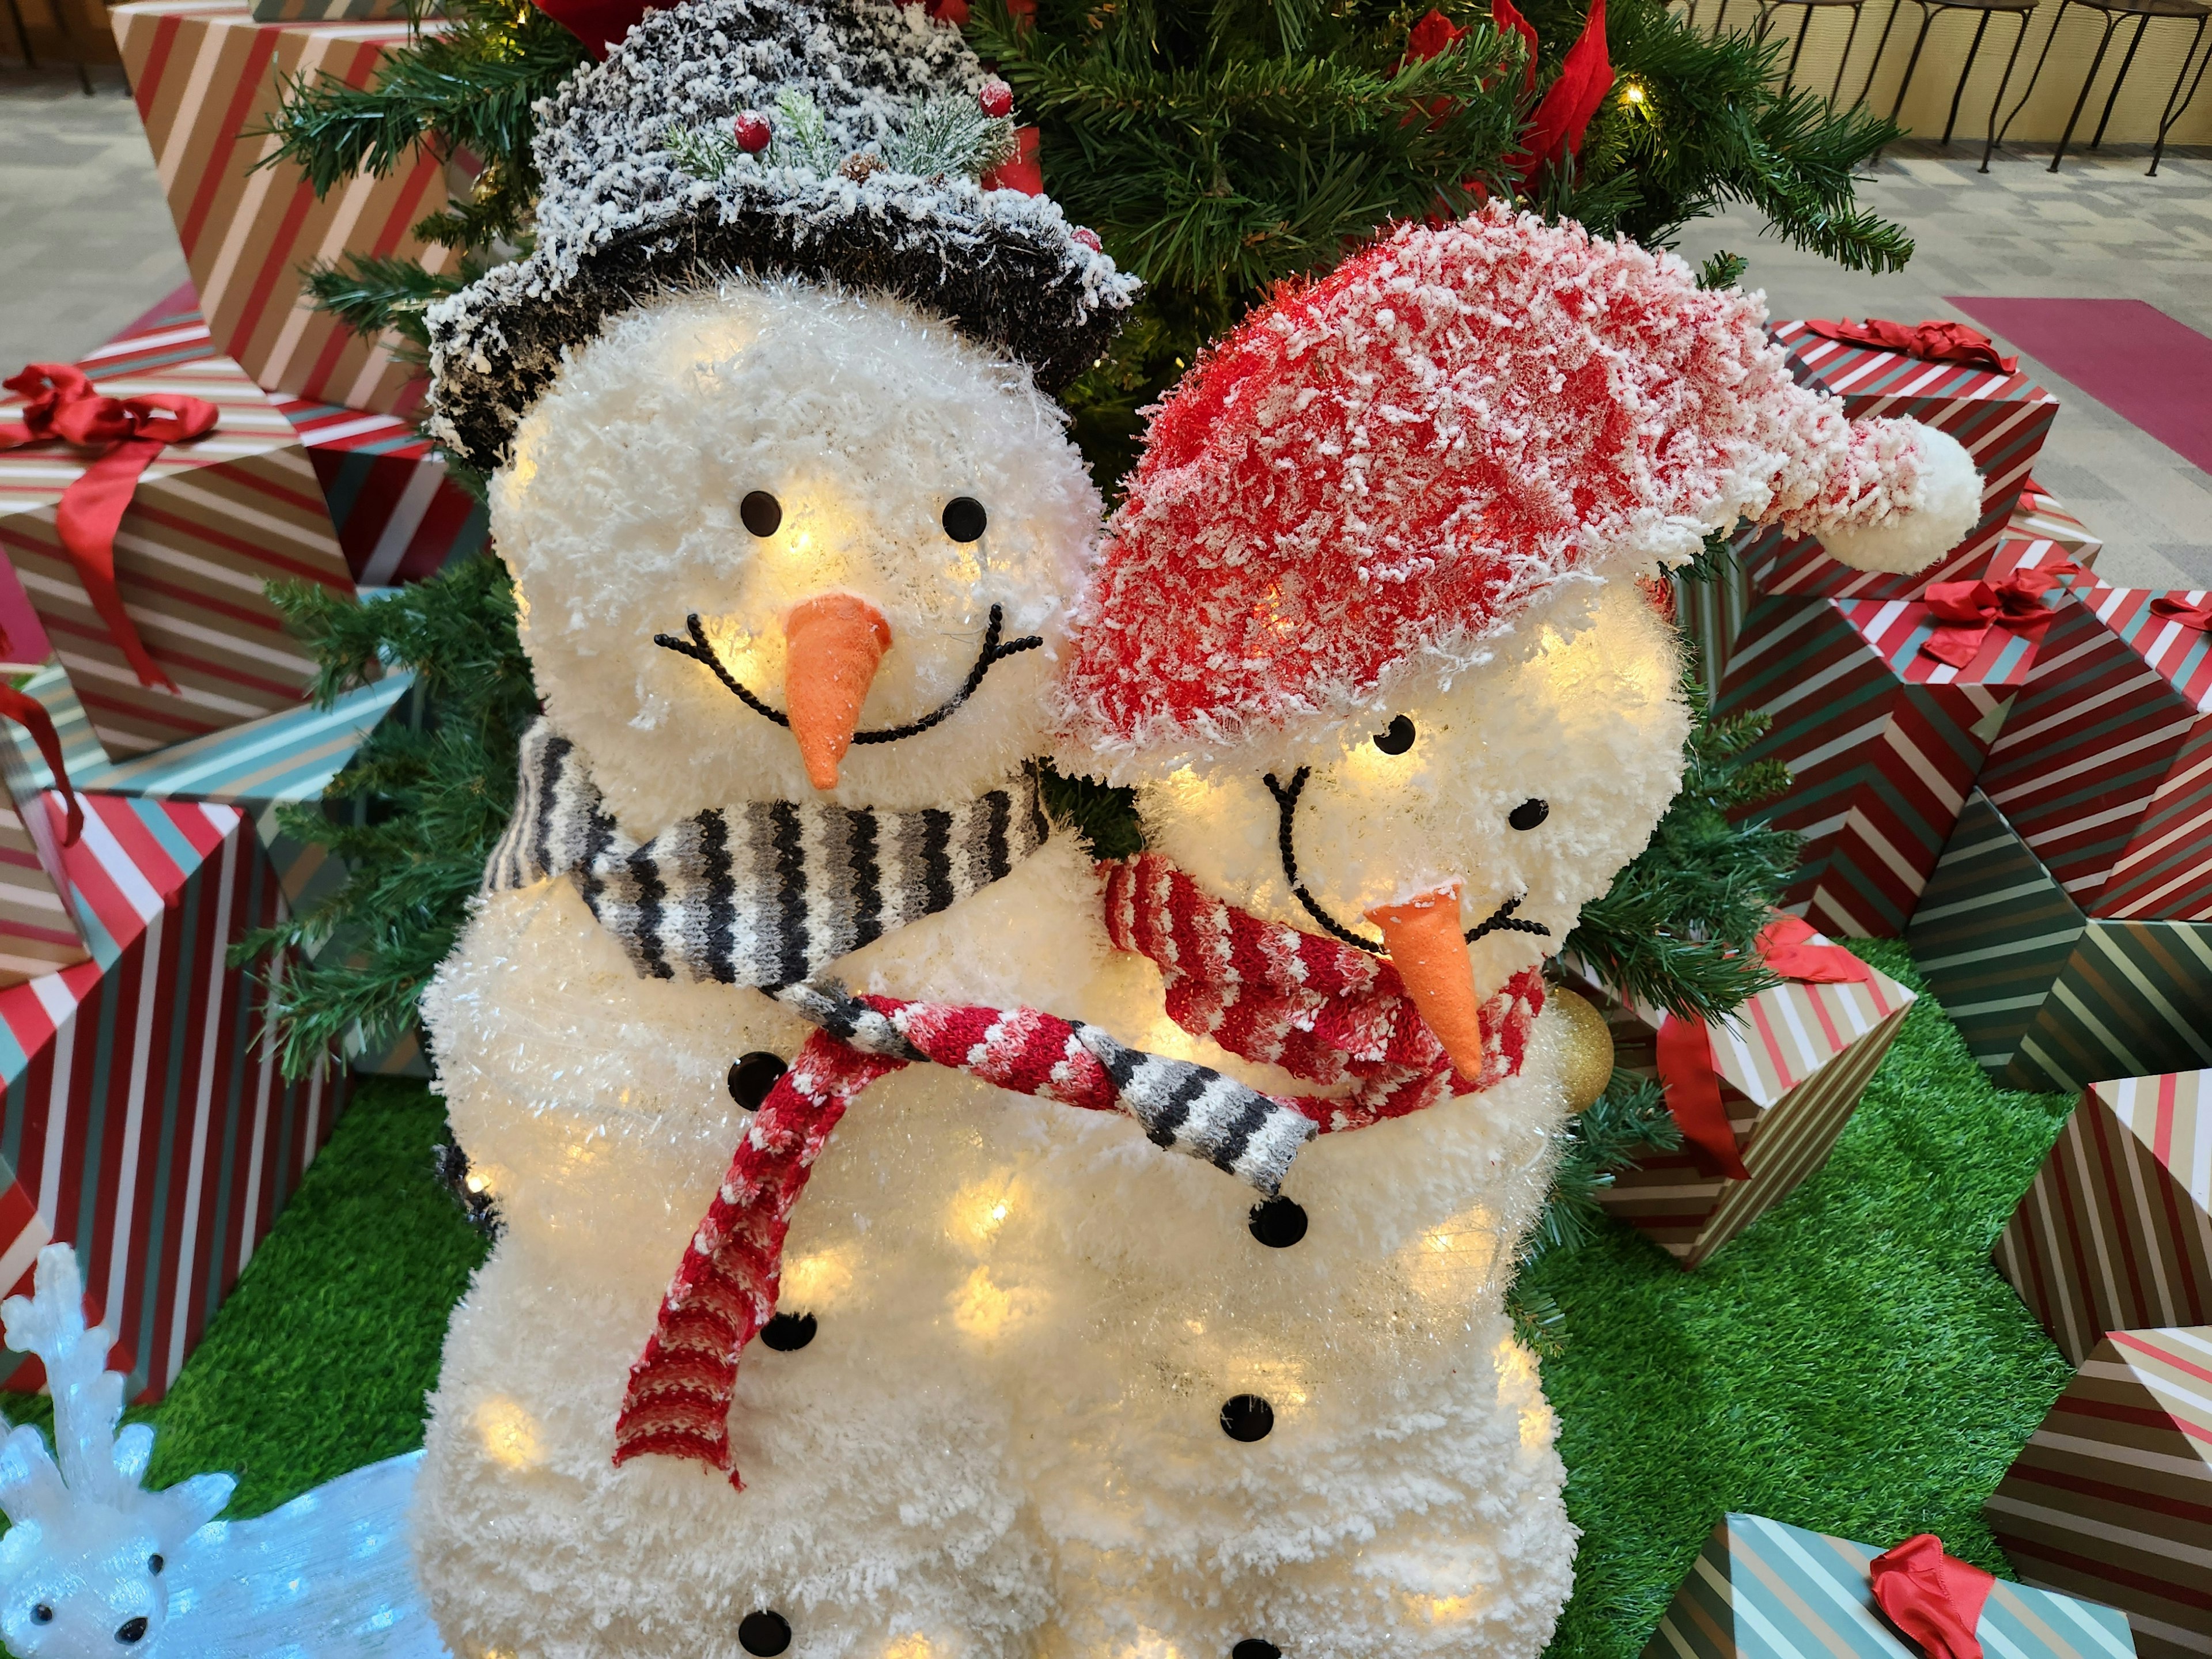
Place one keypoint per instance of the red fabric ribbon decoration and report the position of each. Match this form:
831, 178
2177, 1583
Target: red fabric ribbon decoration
1569, 102
27, 712
599, 24
129, 434
1687, 1070
2198, 616
1508, 19
1020, 171
1935, 341
1934, 1598
1965, 611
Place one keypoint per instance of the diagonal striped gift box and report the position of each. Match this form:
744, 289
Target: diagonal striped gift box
2001, 419
2111, 1497
2042, 521
1883, 743
2046, 997
1793, 1062
327, 11
2116, 1231
1761, 1589
2106, 764
208, 79
144, 1122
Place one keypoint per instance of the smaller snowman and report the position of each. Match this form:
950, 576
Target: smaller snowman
1372, 636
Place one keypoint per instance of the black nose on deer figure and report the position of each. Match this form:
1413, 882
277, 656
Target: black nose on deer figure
132, 1630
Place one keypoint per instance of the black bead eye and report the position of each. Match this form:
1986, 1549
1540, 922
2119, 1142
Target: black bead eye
1396, 739
1529, 813
789, 1332
1253, 1647
1247, 1417
154, 1563
965, 519
1278, 1224
764, 1633
751, 1076
761, 513
42, 1614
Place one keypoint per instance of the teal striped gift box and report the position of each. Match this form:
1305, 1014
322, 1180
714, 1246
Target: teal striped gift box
1762, 1590
2048, 998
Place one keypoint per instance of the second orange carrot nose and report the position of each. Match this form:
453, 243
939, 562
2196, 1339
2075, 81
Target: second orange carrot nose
1426, 947
832, 645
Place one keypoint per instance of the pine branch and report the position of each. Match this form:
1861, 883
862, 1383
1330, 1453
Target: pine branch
372, 294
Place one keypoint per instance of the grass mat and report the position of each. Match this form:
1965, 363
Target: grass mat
1851, 1363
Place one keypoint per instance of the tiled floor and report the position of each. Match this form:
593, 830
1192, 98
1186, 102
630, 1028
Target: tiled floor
88, 246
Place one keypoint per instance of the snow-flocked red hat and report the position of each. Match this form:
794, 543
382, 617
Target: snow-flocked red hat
1395, 462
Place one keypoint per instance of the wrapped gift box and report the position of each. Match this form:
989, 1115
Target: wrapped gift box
1762, 1590
2111, 1497
329, 11
211, 524
145, 1122
2040, 520
399, 518
39, 928
2105, 766
1792, 1064
2001, 419
1883, 742
2045, 996
208, 79
2115, 1232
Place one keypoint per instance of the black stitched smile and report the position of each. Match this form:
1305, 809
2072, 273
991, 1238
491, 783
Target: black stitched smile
698, 648
1500, 920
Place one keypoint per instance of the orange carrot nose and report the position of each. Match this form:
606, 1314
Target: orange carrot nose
833, 642
1429, 953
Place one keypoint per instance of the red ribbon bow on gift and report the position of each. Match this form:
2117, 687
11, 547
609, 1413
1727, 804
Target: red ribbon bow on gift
1687, 1071
130, 433
1934, 1598
2198, 615
1935, 341
1965, 611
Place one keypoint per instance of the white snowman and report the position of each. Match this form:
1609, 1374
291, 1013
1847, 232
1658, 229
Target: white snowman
794, 525
1372, 635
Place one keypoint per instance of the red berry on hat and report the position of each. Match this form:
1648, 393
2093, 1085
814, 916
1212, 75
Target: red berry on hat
995, 98
752, 132
1088, 238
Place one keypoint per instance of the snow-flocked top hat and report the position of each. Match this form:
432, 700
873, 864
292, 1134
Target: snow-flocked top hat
838, 139
1395, 462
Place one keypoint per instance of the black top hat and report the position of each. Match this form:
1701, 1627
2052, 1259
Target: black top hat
836, 139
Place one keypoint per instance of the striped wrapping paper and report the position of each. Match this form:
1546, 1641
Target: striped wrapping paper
2115, 1231
1759, 1590
1793, 1062
2001, 419
327, 11
2106, 765
1882, 744
144, 1123
2046, 997
207, 77
39, 930
1711, 616
2111, 1497
2040, 519
212, 523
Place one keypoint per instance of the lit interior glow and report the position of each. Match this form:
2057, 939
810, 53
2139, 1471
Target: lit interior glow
815, 1282
509, 1433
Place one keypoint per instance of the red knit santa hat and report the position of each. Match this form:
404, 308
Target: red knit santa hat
1394, 463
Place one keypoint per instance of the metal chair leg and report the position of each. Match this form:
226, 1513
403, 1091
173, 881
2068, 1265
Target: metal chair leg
1881, 45
2173, 111
1967, 68
1836, 91
1804, 28
2119, 81
1997, 102
1927, 20
2112, 21
22, 35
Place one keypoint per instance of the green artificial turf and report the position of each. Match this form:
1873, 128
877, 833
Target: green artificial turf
1851, 1363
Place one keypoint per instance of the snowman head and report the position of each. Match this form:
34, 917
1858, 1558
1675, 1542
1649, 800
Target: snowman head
788, 507
1372, 630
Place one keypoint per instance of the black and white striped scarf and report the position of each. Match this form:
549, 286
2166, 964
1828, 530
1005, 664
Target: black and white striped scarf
764, 893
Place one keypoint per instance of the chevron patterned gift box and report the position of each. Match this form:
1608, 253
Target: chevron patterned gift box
2001, 419
2111, 1497
1883, 742
144, 1123
2115, 1231
1791, 1063
1763, 1590
207, 78
2045, 996
2105, 766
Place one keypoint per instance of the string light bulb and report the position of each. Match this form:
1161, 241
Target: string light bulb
1633, 92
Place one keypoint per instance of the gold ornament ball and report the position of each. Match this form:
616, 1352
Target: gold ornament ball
1585, 1047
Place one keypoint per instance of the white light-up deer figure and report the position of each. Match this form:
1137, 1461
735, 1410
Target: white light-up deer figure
95, 1566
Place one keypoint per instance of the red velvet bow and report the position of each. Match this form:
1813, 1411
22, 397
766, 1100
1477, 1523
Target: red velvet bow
1936, 342
2198, 616
1965, 611
129, 434
1934, 1598
1571, 99
1687, 1071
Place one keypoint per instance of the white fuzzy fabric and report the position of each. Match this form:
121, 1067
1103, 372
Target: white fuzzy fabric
1946, 503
